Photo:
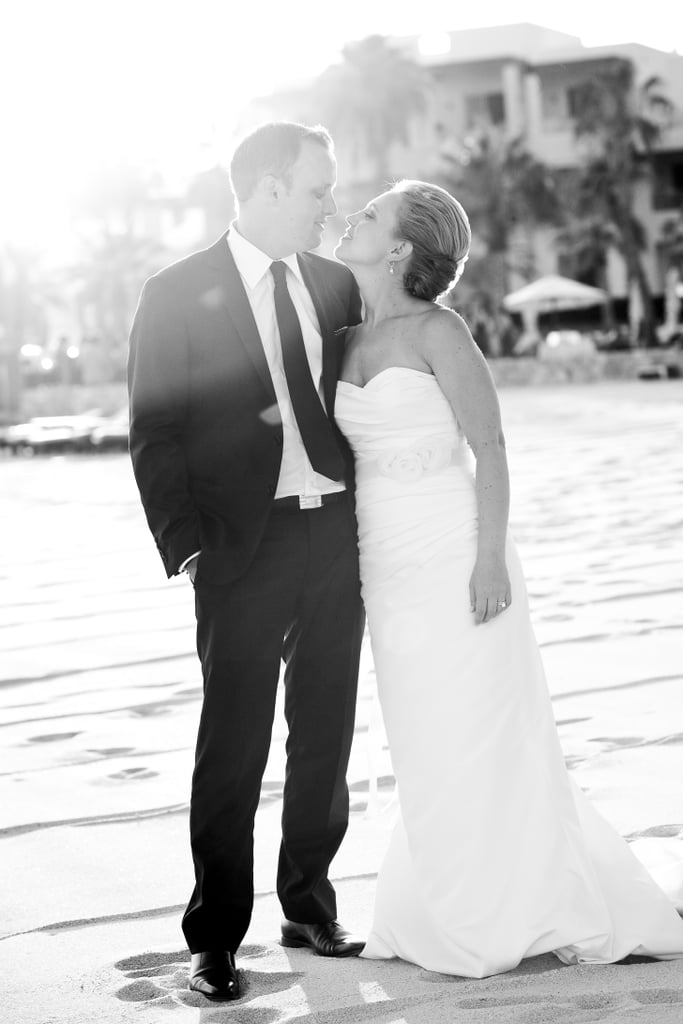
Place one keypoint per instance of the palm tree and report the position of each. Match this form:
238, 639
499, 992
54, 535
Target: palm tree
585, 243
26, 292
368, 100
671, 240
506, 191
118, 214
113, 269
618, 127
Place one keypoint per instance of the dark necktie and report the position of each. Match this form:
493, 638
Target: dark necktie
314, 426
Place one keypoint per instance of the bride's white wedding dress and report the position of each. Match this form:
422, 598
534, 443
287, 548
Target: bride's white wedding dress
497, 854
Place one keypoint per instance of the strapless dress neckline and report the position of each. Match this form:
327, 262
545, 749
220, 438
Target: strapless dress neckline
388, 369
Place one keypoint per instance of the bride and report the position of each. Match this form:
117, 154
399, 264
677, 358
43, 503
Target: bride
497, 854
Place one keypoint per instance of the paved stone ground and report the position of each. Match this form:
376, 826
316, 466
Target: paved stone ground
100, 693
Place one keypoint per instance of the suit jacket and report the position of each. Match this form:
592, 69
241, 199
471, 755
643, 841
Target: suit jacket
205, 428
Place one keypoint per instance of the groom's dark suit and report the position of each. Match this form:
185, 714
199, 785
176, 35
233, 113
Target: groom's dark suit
272, 580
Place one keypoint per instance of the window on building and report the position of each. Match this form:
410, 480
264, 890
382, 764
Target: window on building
485, 108
578, 97
667, 192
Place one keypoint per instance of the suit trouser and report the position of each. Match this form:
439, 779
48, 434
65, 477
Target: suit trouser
299, 600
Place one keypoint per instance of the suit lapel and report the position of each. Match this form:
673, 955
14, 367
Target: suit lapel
320, 296
236, 305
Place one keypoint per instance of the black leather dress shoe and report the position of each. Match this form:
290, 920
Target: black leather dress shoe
214, 974
328, 939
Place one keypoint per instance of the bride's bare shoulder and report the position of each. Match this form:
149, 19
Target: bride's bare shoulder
444, 327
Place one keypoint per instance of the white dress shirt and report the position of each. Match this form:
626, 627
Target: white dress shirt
297, 476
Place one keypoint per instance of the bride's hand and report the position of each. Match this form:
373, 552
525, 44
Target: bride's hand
489, 588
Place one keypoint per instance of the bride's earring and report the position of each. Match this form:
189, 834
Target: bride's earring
391, 266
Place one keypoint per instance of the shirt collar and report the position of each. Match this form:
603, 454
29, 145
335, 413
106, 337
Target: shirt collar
252, 262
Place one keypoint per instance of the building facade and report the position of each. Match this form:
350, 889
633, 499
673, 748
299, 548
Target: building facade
519, 81
524, 82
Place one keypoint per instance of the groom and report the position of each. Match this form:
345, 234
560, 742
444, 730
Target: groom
245, 482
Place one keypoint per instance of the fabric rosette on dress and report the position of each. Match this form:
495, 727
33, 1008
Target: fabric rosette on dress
410, 464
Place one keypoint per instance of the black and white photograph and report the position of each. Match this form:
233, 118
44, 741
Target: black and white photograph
341, 481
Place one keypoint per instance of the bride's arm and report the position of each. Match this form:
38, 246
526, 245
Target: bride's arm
465, 379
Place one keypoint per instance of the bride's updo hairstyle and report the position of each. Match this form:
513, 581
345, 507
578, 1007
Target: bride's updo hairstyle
439, 230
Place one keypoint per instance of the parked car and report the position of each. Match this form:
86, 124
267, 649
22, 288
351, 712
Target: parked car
666, 360
112, 433
565, 346
50, 434
617, 339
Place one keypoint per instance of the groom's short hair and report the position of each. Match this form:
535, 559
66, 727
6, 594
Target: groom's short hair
272, 148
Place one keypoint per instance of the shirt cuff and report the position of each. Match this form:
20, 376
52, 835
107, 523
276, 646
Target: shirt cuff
183, 565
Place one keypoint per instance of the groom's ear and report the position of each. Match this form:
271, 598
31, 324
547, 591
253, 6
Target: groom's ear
270, 189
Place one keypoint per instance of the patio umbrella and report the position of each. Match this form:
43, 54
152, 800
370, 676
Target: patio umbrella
551, 293
548, 295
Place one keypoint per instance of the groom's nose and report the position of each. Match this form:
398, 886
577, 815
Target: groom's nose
330, 206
